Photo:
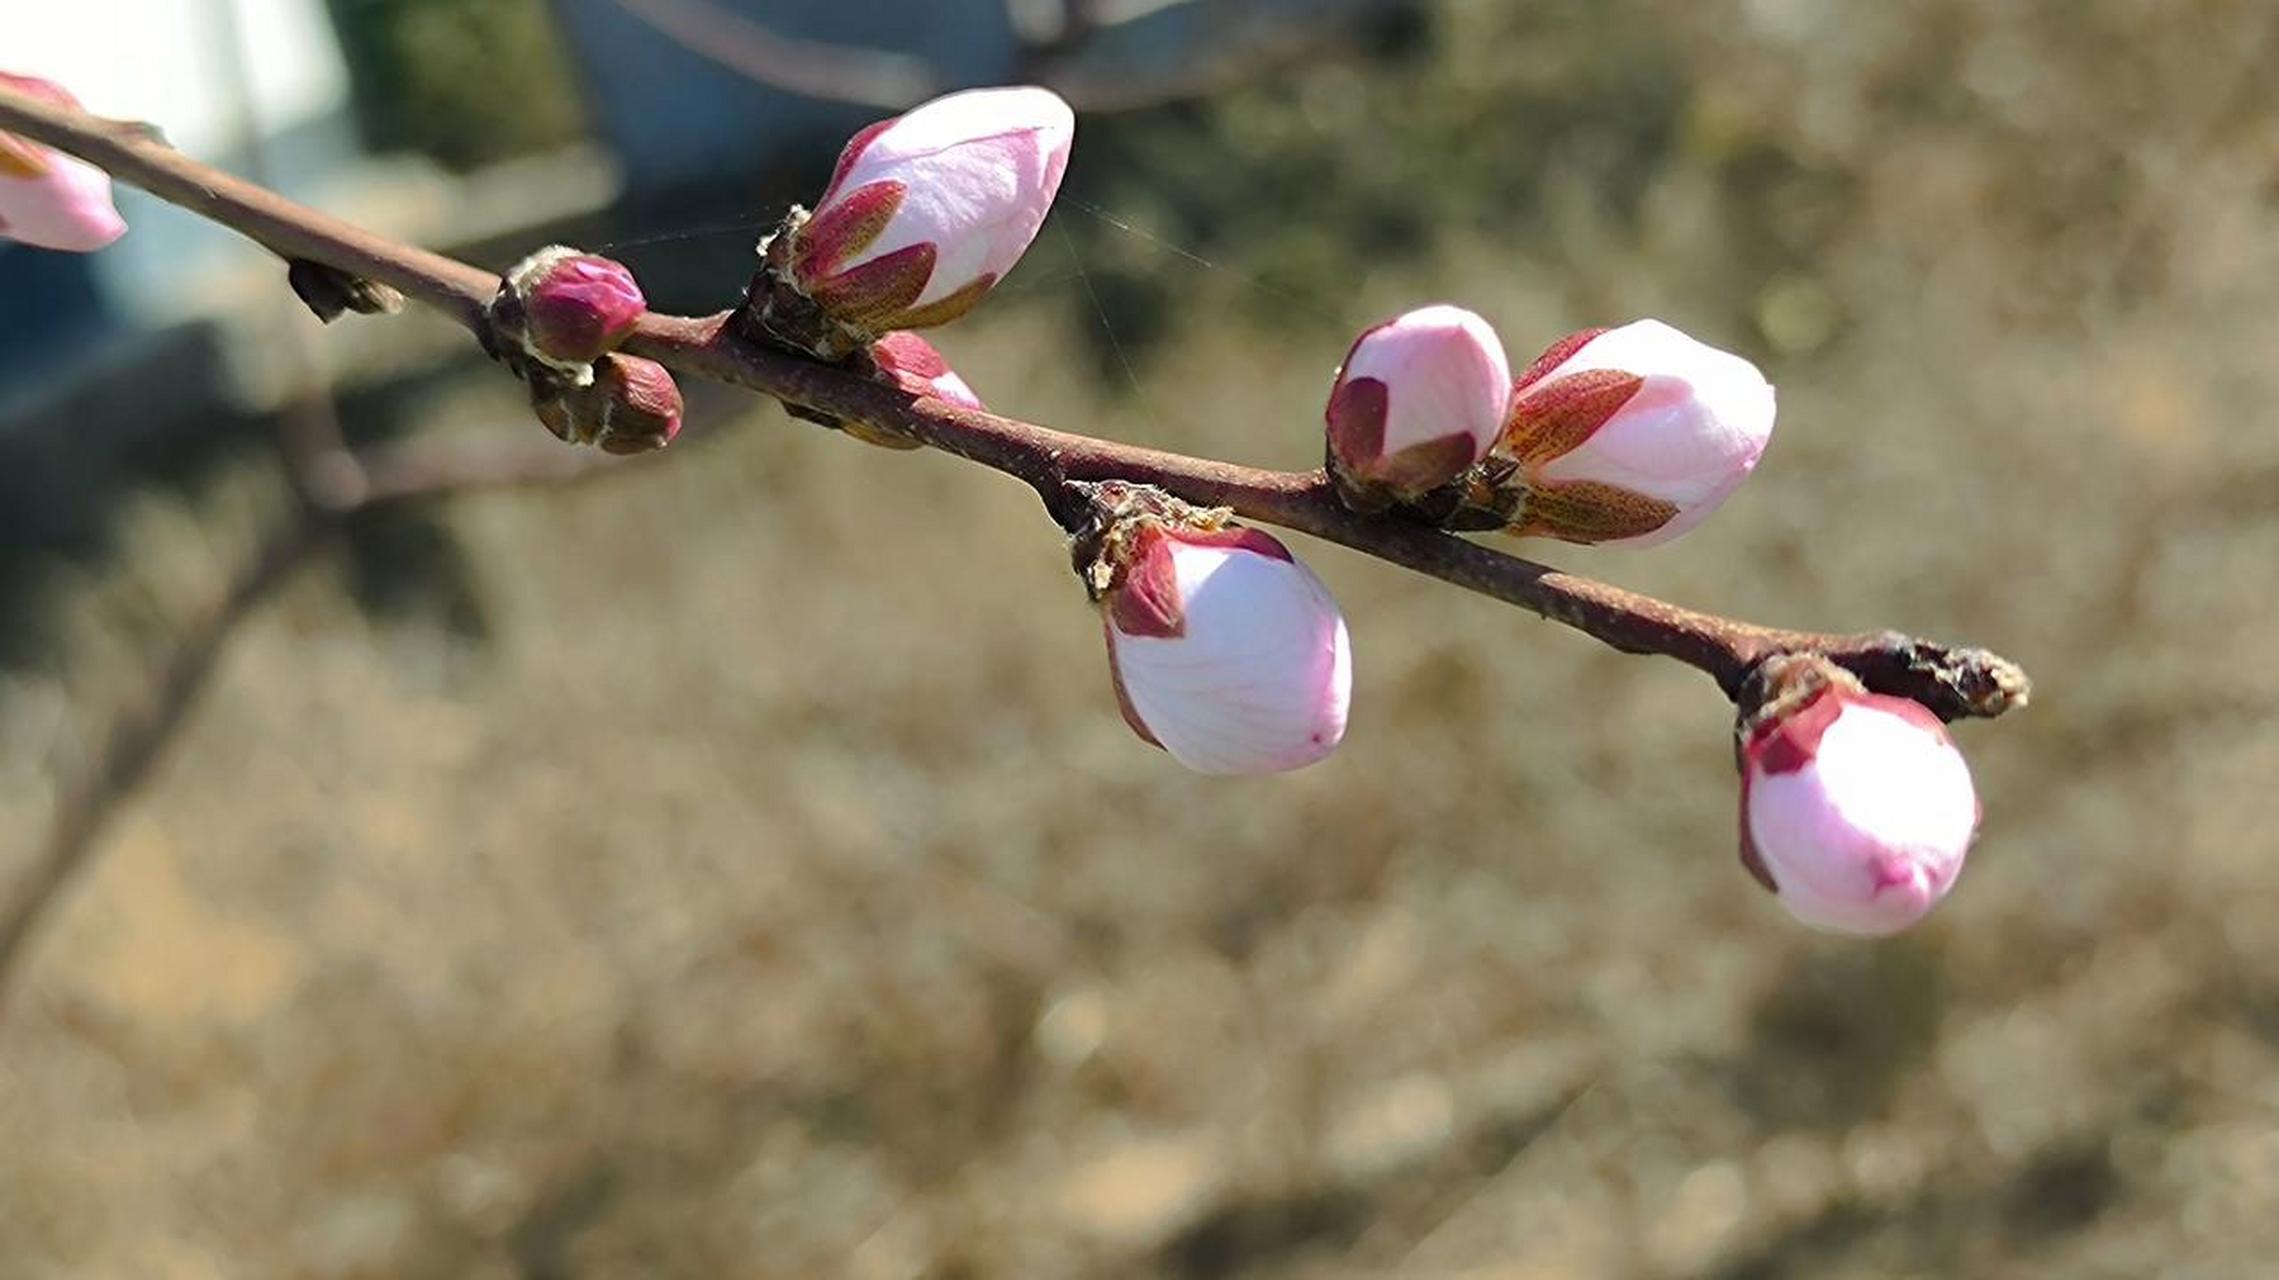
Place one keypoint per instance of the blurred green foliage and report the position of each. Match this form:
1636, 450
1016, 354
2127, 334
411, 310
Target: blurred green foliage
1444, 118
465, 81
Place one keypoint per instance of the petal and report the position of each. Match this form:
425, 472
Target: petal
981, 169
1690, 434
69, 208
832, 240
913, 364
868, 296
1559, 415
1868, 834
1445, 373
1260, 678
47, 198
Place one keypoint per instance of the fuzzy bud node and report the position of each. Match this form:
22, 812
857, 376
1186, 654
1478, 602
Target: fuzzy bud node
1225, 650
632, 405
565, 309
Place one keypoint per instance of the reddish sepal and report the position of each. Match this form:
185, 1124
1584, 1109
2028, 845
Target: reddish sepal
1553, 357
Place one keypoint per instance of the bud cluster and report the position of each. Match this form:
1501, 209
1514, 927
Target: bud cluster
1224, 650
559, 317
1227, 652
48, 199
1624, 436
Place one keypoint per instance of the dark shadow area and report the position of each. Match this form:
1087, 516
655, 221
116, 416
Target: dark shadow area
1838, 1032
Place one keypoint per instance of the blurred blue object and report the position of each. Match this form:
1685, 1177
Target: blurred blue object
678, 118
49, 305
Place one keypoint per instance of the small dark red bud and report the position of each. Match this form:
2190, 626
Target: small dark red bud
631, 406
642, 404
567, 309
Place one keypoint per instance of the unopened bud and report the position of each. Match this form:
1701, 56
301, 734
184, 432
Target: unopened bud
47, 198
904, 360
1419, 399
566, 309
1632, 435
631, 406
330, 293
1225, 651
925, 212
1856, 808
911, 363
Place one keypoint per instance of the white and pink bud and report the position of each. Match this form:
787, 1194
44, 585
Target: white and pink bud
911, 363
1856, 809
47, 198
1420, 398
566, 309
1226, 651
926, 211
1634, 435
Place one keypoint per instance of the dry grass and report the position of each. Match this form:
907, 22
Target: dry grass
769, 888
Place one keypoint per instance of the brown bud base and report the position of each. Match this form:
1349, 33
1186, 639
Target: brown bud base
20, 159
1588, 512
778, 313
1357, 495
630, 406
1779, 686
1777, 690
1105, 537
1480, 500
849, 427
330, 293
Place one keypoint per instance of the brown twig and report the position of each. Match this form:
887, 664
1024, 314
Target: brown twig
1953, 682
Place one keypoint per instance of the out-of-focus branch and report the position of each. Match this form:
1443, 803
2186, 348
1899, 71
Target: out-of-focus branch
138, 735
809, 68
1951, 681
1251, 46
1247, 49
126, 753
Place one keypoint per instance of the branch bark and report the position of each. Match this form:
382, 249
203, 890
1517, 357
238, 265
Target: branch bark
1952, 681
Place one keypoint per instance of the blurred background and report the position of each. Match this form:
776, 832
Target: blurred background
733, 865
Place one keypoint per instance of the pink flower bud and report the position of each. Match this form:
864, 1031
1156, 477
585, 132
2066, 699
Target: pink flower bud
1226, 651
50, 199
911, 363
631, 406
567, 308
1856, 810
1633, 435
1420, 398
928, 210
